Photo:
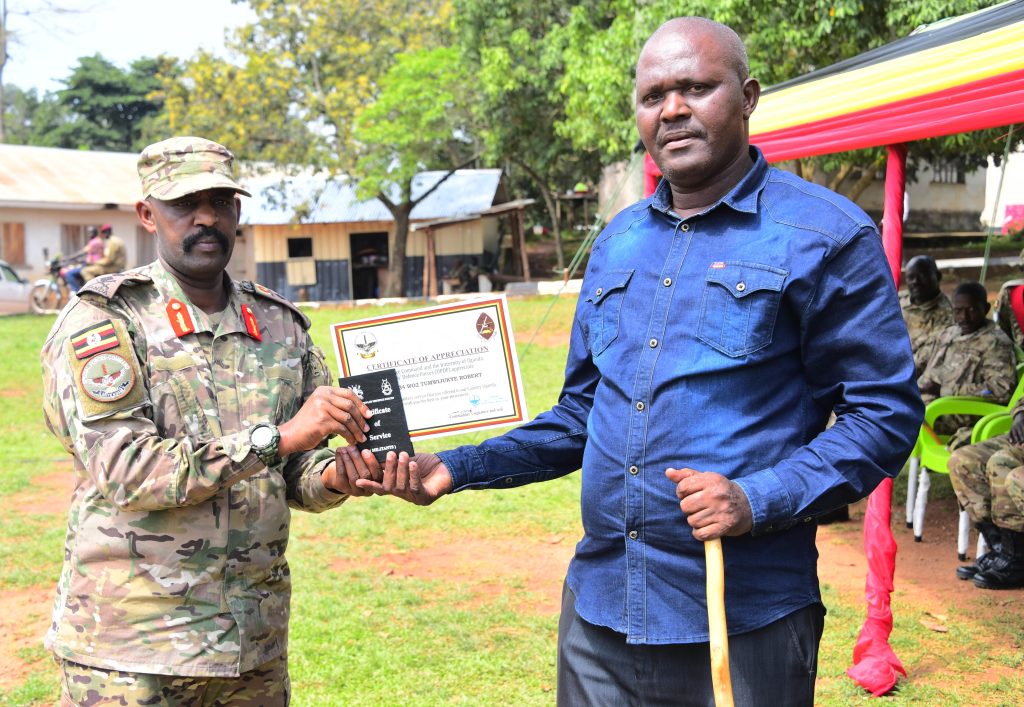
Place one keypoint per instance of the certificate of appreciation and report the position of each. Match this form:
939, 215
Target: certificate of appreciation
456, 363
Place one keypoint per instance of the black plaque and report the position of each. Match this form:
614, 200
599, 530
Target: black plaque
389, 431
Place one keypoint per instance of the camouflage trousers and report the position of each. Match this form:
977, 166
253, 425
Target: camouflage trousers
988, 479
85, 686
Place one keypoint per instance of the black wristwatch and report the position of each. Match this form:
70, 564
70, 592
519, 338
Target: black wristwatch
264, 439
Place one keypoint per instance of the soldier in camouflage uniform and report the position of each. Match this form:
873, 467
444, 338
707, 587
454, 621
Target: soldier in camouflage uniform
197, 411
1005, 316
926, 310
988, 478
972, 357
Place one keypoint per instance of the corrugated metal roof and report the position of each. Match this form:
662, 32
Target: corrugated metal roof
50, 175
276, 199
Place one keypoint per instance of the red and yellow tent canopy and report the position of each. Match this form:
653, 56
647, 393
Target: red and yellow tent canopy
954, 76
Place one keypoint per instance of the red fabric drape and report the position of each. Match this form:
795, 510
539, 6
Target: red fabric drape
875, 665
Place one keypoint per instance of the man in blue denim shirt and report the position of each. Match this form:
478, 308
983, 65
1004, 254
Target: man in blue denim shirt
721, 320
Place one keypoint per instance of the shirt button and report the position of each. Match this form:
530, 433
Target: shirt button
740, 286
599, 291
640, 406
654, 343
633, 470
686, 227
667, 282
633, 535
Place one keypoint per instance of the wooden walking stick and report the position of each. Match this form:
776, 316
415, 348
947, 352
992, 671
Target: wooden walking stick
718, 634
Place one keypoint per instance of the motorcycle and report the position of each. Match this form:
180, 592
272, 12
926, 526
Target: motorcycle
51, 293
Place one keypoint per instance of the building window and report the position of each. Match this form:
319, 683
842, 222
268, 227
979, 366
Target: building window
12, 243
300, 247
948, 173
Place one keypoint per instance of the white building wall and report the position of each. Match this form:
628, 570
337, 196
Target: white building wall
933, 196
43, 232
1012, 193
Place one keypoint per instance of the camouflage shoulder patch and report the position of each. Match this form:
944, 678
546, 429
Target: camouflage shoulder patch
106, 286
109, 378
261, 291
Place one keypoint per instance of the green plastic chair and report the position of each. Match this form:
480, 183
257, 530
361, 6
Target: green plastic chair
930, 453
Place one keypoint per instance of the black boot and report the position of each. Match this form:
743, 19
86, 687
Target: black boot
990, 531
1006, 570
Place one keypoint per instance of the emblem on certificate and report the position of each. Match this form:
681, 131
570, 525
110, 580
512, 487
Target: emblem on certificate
456, 364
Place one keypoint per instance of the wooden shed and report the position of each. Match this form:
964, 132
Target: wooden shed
315, 241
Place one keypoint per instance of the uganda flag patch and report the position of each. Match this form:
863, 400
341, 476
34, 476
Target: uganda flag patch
94, 339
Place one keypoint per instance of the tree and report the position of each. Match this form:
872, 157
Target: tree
784, 40
47, 10
31, 118
516, 53
111, 108
420, 118
308, 70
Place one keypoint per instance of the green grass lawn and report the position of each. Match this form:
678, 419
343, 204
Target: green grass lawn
364, 634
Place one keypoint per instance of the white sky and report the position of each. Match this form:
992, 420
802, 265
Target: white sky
48, 44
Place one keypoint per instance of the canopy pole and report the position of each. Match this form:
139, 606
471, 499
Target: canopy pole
875, 665
892, 215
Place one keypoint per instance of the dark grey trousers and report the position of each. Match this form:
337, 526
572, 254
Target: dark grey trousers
774, 666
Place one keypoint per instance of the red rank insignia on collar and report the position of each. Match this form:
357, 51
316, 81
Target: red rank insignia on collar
180, 318
251, 325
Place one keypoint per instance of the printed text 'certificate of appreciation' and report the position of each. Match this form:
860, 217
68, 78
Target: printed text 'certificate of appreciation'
456, 363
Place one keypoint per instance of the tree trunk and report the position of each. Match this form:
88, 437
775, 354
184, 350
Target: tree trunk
549, 202
865, 180
841, 175
396, 262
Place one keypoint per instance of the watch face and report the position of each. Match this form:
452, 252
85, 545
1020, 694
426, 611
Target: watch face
261, 436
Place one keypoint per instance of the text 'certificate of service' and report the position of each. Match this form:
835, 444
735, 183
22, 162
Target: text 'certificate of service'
456, 363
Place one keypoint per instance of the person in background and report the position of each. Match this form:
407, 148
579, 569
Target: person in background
1006, 317
972, 357
988, 479
92, 252
926, 310
114, 259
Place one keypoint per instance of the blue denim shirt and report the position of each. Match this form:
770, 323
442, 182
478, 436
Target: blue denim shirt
719, 342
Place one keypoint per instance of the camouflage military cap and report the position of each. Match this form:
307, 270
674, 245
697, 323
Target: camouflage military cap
184, 165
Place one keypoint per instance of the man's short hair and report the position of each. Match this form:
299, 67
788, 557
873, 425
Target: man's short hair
975, 290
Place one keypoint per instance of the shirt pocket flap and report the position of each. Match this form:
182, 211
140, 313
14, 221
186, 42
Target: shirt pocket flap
607, 283
741, 279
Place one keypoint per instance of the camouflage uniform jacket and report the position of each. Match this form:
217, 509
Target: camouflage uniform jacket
1005, 317
979, 363
174, 557
925, 322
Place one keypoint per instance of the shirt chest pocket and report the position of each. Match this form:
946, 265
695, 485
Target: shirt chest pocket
739, 307
178, 390
271, 382
604, 300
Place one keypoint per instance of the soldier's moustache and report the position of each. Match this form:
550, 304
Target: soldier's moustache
205, 232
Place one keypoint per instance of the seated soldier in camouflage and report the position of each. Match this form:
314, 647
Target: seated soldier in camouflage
988, 479
197, 410
926, 309
972, 357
